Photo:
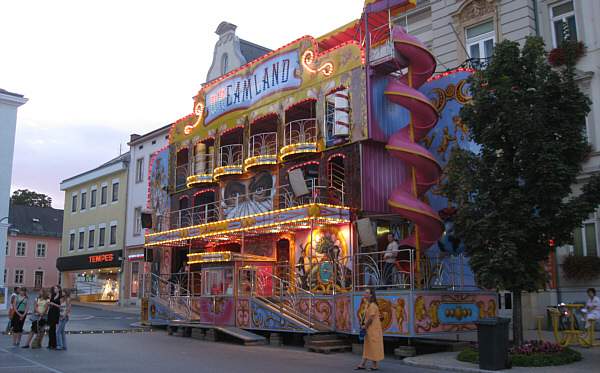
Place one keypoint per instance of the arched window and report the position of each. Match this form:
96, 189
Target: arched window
224, 64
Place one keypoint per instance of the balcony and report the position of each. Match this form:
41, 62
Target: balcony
262, 201
203, 170
230, 160
300, 136
262, 150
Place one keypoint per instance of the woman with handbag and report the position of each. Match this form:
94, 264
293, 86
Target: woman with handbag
21, 306
39, 318
12, 310
54, 315
373, 348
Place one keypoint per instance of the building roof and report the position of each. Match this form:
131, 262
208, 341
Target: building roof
3, 91
67, 183
36, 221
252, 51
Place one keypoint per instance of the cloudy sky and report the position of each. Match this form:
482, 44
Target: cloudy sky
97, 71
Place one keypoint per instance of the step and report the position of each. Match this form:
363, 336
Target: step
327, 343
328, 350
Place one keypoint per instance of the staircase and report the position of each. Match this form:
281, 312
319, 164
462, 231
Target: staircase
326, 343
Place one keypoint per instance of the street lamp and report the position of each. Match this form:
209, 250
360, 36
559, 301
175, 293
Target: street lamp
13, 231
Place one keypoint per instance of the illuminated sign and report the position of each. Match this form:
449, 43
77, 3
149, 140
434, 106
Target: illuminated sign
135, 256
102, 258
107, 259
273, 75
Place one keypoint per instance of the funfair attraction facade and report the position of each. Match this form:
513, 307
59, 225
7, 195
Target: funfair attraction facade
272, 203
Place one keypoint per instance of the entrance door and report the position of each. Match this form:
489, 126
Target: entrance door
505, 304
38, 280
283, 259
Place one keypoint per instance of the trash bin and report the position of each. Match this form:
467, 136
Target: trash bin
492, 337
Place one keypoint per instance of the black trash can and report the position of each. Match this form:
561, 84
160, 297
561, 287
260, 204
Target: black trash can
492, 337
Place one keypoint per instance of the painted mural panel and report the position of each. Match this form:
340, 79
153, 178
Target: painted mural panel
393, 312
217, 310
451, 312
343, 313
323, 258
248, 196
158, 197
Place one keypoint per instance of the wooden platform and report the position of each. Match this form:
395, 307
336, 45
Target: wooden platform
248, 338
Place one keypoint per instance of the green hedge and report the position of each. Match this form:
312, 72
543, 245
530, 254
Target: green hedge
568, 356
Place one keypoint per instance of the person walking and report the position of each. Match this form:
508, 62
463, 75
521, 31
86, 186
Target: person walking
373, 347
21, 305
54, 315
40, 316
65, 308
12, 310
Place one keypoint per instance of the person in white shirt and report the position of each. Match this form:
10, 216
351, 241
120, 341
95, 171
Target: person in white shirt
389, 259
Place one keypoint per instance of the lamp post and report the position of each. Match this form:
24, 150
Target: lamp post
13, 231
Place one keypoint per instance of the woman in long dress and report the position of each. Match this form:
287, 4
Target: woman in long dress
373, 348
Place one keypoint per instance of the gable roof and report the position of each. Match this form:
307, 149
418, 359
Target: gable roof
36, 221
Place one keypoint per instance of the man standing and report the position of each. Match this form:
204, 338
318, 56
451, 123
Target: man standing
389, 259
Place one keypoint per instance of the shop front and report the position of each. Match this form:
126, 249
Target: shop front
93, 277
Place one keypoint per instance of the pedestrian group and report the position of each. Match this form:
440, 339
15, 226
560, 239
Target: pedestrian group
50, 308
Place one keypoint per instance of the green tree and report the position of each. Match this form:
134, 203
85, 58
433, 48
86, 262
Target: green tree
515, 198
26, 197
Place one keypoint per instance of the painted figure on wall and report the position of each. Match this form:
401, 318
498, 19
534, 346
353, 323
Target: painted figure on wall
243, 197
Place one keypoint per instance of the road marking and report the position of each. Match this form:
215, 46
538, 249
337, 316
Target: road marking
31, 361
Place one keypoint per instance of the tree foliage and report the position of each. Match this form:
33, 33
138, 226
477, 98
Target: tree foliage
515, 195
26, 197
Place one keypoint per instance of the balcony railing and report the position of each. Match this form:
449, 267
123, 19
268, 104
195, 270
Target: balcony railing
300, 136
252, 203
203, 167
230, 160
262, 150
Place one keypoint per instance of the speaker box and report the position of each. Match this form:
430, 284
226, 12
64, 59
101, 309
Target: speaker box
147, 220
149, 254
365, 232
298, 183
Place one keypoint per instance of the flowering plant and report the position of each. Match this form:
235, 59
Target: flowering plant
579, 267
568, 50
533, 346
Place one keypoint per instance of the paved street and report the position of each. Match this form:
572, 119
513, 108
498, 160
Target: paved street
156, 351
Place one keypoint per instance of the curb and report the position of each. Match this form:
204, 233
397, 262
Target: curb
449, 368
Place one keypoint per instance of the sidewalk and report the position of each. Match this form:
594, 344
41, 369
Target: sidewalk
446, 361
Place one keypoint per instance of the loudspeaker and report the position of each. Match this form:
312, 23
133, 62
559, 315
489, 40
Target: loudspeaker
298, 183
365, 232
147, 220
149, 254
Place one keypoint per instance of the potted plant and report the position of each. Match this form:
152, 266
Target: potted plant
568, 50
579, 267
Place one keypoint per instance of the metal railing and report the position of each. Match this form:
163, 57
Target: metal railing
300, 131
203, 164
278, 293
230, 155
263, 144
320, 191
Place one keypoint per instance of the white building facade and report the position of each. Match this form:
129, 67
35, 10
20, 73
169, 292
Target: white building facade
9, 104
142, 150
463, 33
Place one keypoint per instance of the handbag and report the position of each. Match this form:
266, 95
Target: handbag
11, 313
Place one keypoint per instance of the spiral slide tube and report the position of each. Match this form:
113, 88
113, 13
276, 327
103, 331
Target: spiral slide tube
405, 144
